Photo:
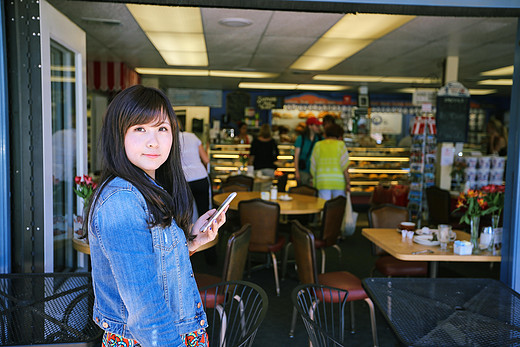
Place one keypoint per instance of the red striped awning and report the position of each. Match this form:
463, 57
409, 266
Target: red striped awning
110, 76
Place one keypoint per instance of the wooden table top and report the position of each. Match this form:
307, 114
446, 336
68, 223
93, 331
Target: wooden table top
391, 241
300, 204
83, 247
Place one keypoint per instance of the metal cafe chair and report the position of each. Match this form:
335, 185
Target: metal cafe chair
235, 310
47, 308
322, 310
305, 254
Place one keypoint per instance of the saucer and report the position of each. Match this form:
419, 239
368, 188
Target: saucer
285, 198
425, 240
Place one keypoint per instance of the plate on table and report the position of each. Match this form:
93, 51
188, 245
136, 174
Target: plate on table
425, 240
285, 198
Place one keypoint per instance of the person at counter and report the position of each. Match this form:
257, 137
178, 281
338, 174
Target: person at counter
497, 137
329, 164
243, 136
303, 149
264, 152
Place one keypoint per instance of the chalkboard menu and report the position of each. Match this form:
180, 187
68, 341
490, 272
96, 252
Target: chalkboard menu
268, 102
452, 118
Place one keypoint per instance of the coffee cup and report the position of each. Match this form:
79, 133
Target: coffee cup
410, 226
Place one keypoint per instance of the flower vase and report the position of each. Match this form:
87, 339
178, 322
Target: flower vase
474, 229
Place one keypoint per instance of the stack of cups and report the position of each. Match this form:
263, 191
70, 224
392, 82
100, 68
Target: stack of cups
470, 172
496, 174
484, 167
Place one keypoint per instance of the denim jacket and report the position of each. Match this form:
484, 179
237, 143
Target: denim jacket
143, 280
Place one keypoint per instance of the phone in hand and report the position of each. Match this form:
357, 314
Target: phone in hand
219, 211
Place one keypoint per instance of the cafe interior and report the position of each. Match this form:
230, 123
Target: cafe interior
420, 251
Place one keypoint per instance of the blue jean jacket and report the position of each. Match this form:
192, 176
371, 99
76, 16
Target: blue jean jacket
143, 280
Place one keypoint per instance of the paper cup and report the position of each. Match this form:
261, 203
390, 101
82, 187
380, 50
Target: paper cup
482, 175
471, 162
484, 163
470, 174
496, 175
498, 162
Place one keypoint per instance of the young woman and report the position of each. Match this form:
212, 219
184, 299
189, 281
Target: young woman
140, 229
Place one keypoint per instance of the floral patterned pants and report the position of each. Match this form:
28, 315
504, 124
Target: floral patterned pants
197, 338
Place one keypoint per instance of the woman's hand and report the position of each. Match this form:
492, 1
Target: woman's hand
210, 234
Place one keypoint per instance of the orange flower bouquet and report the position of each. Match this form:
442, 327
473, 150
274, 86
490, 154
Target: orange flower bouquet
475, 205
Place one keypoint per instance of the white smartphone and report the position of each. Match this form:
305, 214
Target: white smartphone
219, 211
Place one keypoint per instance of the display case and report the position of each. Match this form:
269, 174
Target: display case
231, 159
371, 166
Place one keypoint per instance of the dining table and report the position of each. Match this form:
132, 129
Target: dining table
391, 241
290, 204
447, 311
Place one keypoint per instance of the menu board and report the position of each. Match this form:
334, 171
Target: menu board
452, 118
267, 102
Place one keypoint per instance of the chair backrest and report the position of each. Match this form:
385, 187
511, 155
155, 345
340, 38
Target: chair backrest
228, 187
248, 181
439, 201
234, 310
304, 189
386, 216
304, 253
323, 319
263, 216
236, 254
333, 214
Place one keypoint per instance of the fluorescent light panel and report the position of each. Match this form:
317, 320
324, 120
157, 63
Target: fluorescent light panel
503, 71
482, 91
291, 86
497, 82
379, 79
348, 36
176, 32
213, 73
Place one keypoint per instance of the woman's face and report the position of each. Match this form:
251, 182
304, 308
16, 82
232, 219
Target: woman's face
147, 146
243, 129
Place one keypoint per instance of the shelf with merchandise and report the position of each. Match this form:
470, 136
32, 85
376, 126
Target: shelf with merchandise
371, 166
227, 159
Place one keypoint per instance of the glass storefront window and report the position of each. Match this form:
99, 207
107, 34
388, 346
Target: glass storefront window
63, 98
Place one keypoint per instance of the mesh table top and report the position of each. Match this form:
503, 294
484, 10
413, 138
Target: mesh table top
448, 311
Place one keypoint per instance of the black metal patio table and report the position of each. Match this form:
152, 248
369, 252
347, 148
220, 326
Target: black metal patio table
448, 311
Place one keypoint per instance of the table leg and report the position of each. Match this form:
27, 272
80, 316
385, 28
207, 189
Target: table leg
434, 266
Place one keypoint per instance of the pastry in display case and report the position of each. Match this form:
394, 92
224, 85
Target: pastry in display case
232, 159
371, 166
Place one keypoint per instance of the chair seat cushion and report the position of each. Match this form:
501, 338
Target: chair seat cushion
204, 280
264, 248
391, 266
344, 280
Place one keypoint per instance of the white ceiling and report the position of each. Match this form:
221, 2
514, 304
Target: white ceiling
276, 39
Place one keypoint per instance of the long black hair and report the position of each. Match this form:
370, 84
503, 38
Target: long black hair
172, 199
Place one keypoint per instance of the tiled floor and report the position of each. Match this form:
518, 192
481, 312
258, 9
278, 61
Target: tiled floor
357, 258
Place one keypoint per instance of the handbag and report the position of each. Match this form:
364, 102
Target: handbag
349, 222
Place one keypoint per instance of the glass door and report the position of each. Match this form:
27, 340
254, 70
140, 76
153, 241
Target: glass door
64, 158
64, 131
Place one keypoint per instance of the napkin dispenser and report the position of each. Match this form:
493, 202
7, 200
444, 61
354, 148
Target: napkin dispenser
462, 247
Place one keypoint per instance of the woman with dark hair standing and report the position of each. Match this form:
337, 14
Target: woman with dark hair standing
140, 228
264, 151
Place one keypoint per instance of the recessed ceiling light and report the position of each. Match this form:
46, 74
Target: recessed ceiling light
235, 22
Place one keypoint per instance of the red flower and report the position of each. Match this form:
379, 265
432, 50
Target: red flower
77, 179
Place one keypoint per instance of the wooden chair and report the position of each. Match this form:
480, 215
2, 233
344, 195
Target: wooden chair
263, 217
304, 189
247, 181
305, 254
235, 261
390, 216
330, 230
228, 187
